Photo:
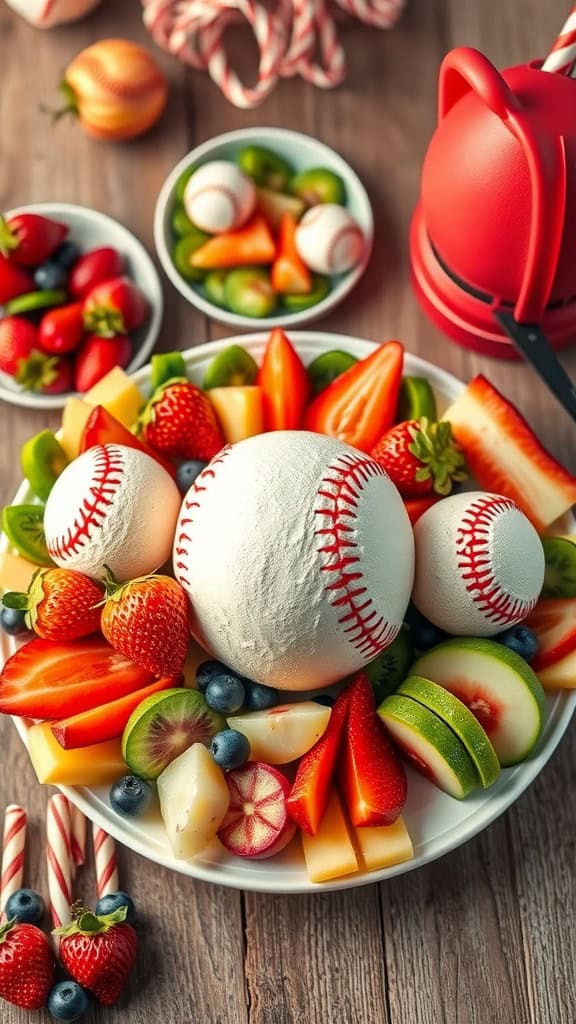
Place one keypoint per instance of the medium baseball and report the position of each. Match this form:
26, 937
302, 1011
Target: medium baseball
479, 564
328, 239
297, 555
45, 14
113, 506
219, 197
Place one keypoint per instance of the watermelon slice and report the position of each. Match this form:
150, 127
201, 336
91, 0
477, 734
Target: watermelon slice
554, 622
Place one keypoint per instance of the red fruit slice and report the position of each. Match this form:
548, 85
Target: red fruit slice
504, 455
53, 680
310, 791
416, 507
554, 622
372, 777
103, 428
107, 721
257, 823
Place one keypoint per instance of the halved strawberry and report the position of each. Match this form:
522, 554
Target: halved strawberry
504, 455
257, 823
52, 680
311, 788
372, 777
103, 428
554, 622
107, 721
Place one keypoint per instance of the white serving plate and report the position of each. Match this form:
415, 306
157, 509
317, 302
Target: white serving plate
436, 822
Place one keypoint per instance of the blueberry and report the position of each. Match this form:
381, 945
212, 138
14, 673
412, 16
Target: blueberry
230, 748
259, 697
113, 901
68, 1001
520, 639
49, 276
206, 672
424, 633
187, 473
26, 906
130, 796
13, 621
66, 255
326, 700
225, 693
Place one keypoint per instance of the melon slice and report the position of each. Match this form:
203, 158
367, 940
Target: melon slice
382, 846
430, 745
561, 675
330, 853
497, 685
554, 622
96, 765
239, 410
284, 733
74, 419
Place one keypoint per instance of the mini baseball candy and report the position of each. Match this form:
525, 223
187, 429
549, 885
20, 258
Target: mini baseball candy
219, 197
328, 239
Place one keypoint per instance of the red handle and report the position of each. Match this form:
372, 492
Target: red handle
464, 69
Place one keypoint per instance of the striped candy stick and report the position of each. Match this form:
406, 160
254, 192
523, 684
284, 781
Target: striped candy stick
78, 828
105, 861
13, 852
58, 859
562, 56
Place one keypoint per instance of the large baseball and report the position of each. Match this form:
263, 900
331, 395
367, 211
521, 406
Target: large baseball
113, 506
479, 564
298, 557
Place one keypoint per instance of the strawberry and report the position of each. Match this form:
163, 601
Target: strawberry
61, 329
97, 356
99, 952
372, 777
60, 378
21, 358
421, 457
311, 788
180, 422
30, 239
148, 620
114, 307
26, 965
93, 268
60, 604
13, 281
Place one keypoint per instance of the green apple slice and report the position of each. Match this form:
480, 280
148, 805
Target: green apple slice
430, 745
498, 687
461, 721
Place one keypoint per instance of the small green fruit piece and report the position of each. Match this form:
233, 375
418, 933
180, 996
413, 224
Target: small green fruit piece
34, 300
163, 726
416, 400
265, 167
249, 292
180, 221
214, 286
183, 251
164, 366
560, 567
318, 185
497, 686
183, 181
43, 460
24, 528
230, 368
327, 367
430, 745
456, 715
390, 668
320, 289
275, 204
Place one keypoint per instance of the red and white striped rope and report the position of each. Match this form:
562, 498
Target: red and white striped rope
105, 861
13, 853
58, 859
562, 56
78, 829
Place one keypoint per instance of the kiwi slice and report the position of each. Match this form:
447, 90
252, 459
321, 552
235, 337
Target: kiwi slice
24, 528
318, 185
183, 251
327, 367
164, 366
183, 181
560, 571
416, 400
43, 459
180, 221
390, 668
163, 726
248, 291
265, 167
214, 285
319, 291
232, 367
35, 300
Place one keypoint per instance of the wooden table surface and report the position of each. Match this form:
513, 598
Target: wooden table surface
485, 935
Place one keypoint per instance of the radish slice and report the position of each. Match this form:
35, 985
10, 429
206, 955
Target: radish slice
257, 823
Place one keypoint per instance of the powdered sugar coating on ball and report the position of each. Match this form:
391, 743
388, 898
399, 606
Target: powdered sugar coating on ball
328, 239
219, 197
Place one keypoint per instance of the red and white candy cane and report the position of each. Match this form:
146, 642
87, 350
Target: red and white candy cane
58, 859
105, 861
13, 852
562, 56
78, 830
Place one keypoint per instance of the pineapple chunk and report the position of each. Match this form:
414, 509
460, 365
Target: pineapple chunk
384, 845
194, 800
239, 410
118, 395
330, 853
74, 417
96, 765
15, 572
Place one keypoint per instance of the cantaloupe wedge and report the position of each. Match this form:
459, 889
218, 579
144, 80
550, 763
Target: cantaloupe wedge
97, 765
15, 572
330, 853
249, 246
384, 845
239, 409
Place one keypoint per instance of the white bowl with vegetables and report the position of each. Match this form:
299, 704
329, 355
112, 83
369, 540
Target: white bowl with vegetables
286, 212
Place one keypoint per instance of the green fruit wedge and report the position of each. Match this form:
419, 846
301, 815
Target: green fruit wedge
180, 221
233, 367
430, 745
183, 181
327, 367
35, 300
498, 687
24, 528
388, 670
318, 185
249, 292
457, 716
265, 167
43, 459
416, 400
165, 366
320, 289
163, 726
215, 287
183, 251
560, 567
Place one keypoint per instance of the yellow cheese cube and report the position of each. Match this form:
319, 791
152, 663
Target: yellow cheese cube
74, 417
239, 410
384, 845
118, 395
561, 675
15, 572
96, 765
330, 853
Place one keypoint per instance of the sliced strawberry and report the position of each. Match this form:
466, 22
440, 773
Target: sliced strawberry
53, 680
372, 777
107, 721
416, 507
505, 456
103, 428
257, 823
554, 622
311, 788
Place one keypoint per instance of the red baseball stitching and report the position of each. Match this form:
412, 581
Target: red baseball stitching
346, 229
106, 479
222, 190
183, 540
475, 563
366, 630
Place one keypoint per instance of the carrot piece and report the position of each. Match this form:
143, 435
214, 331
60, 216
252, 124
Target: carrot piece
289, 273
250, 245
106, 721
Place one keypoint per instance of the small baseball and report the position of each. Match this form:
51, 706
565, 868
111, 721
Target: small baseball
112, 506
297, 555
479, 564
219, 197
328, 239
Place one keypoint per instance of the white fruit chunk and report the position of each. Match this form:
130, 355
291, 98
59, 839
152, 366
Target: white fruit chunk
283, 733
194, 799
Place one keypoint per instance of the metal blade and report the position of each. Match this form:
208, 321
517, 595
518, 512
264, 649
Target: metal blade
531, 341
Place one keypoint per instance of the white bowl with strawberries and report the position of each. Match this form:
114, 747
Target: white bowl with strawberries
334, 735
